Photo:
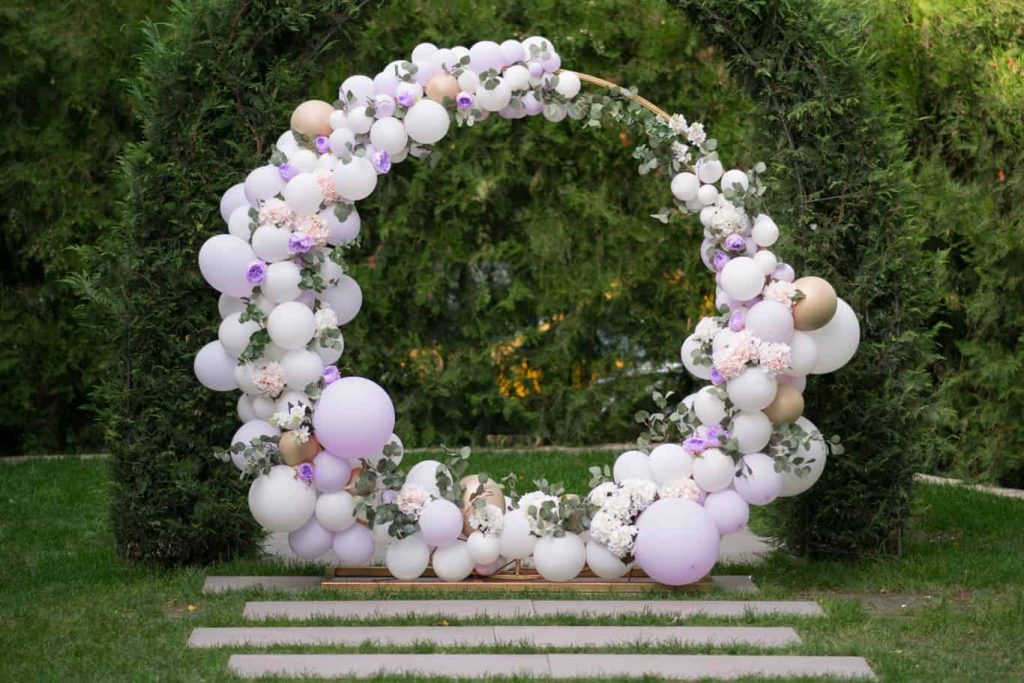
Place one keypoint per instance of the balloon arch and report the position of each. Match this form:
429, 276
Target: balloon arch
326, 466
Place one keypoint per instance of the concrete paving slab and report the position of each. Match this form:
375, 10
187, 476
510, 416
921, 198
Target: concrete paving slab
365, 666
607, 636
680, 608
695, 667
265, 636
367, 609
224, 584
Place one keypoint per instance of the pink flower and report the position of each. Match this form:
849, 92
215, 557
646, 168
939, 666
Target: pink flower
315, 227
270, 379
781, 292
325, 181
681, 488
412, 498
275, 211
732, 359
774, 357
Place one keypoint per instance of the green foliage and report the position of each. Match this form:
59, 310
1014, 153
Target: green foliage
838, 151
64, 117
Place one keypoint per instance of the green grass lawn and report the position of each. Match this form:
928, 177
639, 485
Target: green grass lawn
950, 609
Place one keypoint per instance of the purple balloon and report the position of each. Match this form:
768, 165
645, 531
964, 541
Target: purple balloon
354, 546
310, 540
784, 272
440, 522
756, 480
354, 418
738, 319
677, 542
728, 510
330, 474
532, 104
770, 321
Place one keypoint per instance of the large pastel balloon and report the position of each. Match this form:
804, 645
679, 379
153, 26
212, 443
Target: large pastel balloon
310, 540
669, 462
603, 562
215, 368
752, 430
677, 542
353, 418
440, 522
560, 558
770, 321
354, 546
407, 558
224, 262
330, 474
253, 429
483, 548
729, 511
452, 562
312, 118
632, 465
837, 341
713, 470
515, 540
690, 345
280, 501
752, 389
346, 298
756, 480
427, 122
818, 304
742, 278
813, 457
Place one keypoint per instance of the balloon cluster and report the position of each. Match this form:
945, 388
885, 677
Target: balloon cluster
320, 448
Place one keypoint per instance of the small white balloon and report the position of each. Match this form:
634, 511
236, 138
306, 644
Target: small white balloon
710, 409
814, 459
764, 233
407, 558
303, 194
603, 562
837, 341
280, 501
232, 199
301, 368
427, 122
568, 85
291, 325
803, 353
336, 511
453, 562
282, 282
560, 558
244, 377
244, 408
517, 77
742, 278
424, 475
494, 99
690, 345
356, 89
685, 186
240, 223
271, 243
224, 261
756, 480
707, 195
713, 470
483, 548
345, 297
355, 179
389, 135
234, 335
709, 171
515, 540
767, 260
752, 389
752, 430
263, 407
734, 181
632, 465
227, 304
669, 462
215, 368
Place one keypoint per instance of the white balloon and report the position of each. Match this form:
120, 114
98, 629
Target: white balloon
263, 407
631, 465
427, 121
423, 51
517, 77
713, 470
515, 540
803, 353
330, 355
289, 399
271, 243
685, 186
336, 511
341, 232
215, 368
709, 171
756, 480
355, 179
301, 368
413, 89
264, 182
814, 458
227, 304
686, 354
496, 98
232, 199
280, 501
239, 223
732, 178
234, 335
764, 233
356, 89
224, 261
244, 408
407, 558
287, 142
707, 195
568, 85
669, 462
722, 339
742, 278
424, 475
291, 325
767, 260
453, 562
837, 341
345, 297
603, 562
560, 558
483, 548
753, 389
303, 194
252, 429
389, 135
282, 282
709, 408
752, 430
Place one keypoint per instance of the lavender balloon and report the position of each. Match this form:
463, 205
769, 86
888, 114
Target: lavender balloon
677, 542
330, 474
770, 321
728, 510
224, 261
440, 522
354, 418
310, 540
232, 199
354, 546
757, 482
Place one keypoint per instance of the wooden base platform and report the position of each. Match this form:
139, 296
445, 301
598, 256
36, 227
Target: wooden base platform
512, 578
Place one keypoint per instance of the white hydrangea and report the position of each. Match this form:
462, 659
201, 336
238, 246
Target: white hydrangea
488, 520
706, 329
681, 152
677, 122
686, 489
600, 492
696, 134
534, 500
728, 220
613, 533
289, 420
326, 319
641, 493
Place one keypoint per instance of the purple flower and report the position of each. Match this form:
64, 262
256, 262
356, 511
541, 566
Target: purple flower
694, 445
305, 471
716, 433
720, 260
716, 377
383, 106
737, 321
381, 161
406, 98
323, 145
256, 272
388, 496
464, 100
299, 243
287, 171
735, 242
331, 374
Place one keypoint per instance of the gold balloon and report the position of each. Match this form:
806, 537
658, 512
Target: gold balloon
352, 479
492, 494
818, 305
787, 407
442, 86
294, 453
313, 118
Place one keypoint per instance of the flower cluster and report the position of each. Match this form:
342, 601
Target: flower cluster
412, 499
276, 212
325, 181
743, 350
619, 505
326, 319
686, 489
292, 419
270, 379
315, 228
487, 519
541, 510
781, 292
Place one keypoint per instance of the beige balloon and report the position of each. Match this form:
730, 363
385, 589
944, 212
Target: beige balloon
818, 305
294, 453
492, 494
787, 407
442, 86
313, 118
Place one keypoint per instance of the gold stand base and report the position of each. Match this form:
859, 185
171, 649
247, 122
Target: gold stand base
511, 578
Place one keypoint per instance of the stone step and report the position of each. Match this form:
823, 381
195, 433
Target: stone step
367, 609
679, 667
223, 584
536, 636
